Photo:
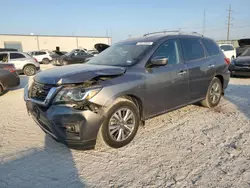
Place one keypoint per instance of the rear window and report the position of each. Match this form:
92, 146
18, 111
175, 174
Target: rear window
211, 47
192, 49
227, 47
16, 56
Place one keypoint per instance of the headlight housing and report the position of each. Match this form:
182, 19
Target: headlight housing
75, 94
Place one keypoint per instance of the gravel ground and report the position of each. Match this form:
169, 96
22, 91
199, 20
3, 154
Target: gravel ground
190, 147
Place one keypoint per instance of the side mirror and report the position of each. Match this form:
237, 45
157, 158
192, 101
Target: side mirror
222, 50
158, 61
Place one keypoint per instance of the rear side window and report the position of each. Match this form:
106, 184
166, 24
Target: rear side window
227, 47
16, 56
192, 49
40, 53
211, 47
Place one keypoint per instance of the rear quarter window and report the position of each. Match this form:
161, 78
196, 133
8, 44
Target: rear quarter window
211, 47
192, 48
227, 47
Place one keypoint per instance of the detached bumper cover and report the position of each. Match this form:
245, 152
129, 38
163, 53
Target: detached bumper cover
53, 119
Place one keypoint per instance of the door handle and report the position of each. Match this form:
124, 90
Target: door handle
182, 72
211, 66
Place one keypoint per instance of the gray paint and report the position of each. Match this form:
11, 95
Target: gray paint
160, 89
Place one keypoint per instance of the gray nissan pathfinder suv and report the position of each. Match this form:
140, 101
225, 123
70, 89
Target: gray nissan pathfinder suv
105, 100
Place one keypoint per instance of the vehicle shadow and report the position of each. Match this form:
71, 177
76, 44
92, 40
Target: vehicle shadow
51, 166
240, 96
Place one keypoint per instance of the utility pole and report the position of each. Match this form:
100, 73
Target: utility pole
204, 23
229, 21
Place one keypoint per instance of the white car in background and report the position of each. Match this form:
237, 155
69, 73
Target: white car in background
228, 50
24, 63
42, 56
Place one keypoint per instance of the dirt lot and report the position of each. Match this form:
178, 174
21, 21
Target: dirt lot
190, 147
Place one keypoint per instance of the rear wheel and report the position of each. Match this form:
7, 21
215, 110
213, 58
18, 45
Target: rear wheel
120, 126
29, 70
214, 94
45, 61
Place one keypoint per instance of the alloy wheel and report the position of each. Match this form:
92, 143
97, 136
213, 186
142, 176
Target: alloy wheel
121, 124
215, 93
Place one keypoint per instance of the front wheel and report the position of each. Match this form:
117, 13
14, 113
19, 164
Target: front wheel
120, 126
214, 94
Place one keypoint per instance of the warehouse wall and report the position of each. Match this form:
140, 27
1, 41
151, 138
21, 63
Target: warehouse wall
66, 43
50, 43
28, 42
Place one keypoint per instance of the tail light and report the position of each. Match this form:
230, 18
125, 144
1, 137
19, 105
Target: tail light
227, 61
35, 60
11, 69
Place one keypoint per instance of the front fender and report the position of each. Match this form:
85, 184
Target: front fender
128, 84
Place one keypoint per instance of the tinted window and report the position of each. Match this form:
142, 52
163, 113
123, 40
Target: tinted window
40, 53
227, 47
211, 47
246, 52
192, 49
171, 50
83, 53
16, 56
4, 57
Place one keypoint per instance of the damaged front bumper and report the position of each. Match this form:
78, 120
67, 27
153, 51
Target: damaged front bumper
75, 128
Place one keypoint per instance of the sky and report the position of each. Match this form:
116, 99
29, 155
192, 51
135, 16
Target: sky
123, 19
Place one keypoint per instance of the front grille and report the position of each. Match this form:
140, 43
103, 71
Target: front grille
39, 91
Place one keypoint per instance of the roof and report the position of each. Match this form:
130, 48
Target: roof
53, 36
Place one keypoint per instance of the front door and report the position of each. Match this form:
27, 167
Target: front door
167, 86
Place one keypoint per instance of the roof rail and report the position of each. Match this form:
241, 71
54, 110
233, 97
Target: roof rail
164, 32
173, 31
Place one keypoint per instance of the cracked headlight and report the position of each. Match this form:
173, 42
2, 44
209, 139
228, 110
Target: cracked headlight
77, 94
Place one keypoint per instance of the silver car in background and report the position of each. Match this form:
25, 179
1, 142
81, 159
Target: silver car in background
23, 62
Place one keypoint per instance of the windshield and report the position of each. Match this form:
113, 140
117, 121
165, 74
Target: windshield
123, 54
246, 52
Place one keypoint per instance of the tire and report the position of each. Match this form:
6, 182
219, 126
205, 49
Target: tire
29, 70
110, 130
214, 94
1, 90
45, 61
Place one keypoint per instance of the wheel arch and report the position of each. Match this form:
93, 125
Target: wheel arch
29, 64
220, 77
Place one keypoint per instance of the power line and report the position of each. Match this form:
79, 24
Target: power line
229, 21
204, 23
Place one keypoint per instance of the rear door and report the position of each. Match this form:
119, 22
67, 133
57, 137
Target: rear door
17, 59
201, 69
167, 86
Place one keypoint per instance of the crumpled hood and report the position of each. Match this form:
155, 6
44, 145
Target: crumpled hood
73, 74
